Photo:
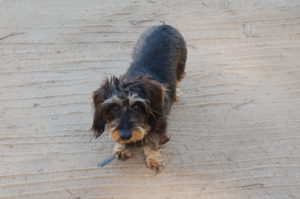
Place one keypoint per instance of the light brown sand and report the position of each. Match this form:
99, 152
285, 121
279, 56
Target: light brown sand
235, 132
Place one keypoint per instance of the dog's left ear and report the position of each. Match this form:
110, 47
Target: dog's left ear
155, 92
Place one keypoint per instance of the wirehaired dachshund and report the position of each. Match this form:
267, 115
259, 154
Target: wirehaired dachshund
133, 108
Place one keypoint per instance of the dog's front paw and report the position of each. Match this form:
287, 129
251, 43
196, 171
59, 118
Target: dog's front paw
121, 152
154, 163
153, 159
122, 155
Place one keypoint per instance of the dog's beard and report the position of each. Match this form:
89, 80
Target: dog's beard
138, 133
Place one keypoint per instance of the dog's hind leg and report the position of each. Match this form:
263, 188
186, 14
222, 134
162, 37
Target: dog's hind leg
181, 63
180, 70
178, 93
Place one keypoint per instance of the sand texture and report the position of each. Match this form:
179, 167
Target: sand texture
235, 134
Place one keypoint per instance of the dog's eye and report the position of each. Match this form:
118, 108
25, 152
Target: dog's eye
137, 107
113, 109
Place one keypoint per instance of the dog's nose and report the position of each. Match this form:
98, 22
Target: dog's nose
125, 135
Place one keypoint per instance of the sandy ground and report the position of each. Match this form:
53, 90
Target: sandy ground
235, 132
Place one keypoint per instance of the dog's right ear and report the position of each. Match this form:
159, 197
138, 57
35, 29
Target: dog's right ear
99, 97
99, 117
108, 87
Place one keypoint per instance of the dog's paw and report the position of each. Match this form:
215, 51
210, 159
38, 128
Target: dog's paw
153, 158
154, 164
121, 152
122, 155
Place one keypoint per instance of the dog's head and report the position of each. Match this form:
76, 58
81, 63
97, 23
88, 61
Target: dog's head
127, 108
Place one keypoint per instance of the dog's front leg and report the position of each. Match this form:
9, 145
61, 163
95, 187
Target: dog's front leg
121, 152
153, 158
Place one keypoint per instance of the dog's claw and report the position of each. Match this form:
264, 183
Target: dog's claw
156, 165
122, 155
121, 152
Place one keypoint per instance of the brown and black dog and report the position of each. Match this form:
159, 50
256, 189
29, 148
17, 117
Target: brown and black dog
133, 108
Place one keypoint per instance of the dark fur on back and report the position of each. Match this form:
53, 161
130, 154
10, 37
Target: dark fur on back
161, 53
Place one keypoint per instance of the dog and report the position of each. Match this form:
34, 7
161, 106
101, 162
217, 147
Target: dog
133, 108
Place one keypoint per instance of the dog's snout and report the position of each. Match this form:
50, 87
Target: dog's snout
125, 135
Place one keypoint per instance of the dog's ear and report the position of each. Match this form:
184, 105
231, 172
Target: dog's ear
99, 117
99, 97
98, 125
155, 92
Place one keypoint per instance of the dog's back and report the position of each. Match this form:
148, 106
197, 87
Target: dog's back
161, 53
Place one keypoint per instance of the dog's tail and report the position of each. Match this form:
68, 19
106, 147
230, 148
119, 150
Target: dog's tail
163, 23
